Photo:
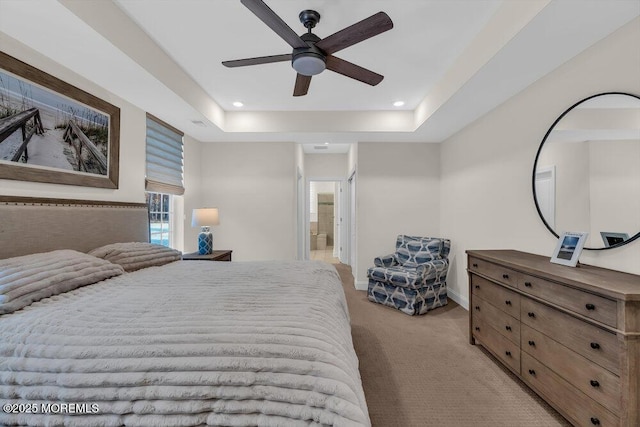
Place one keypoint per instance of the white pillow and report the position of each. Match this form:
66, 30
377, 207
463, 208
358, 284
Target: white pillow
136, 255
29, 278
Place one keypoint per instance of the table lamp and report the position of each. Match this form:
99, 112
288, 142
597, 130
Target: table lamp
205, 218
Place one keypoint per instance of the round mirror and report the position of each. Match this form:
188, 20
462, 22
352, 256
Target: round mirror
586, 176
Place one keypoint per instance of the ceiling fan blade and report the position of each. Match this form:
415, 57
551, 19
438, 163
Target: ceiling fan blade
367, 28
273, 21
257, 60
302, 85
354, 71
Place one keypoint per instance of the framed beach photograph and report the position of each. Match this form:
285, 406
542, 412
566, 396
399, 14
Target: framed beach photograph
569, 247
54, 132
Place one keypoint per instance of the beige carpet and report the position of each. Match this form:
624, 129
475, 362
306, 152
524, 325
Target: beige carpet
421, 370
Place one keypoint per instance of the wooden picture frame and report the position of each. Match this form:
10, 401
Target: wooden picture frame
54, 132
569, 248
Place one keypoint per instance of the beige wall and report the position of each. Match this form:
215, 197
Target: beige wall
186, 236
398, 193
615, 187
253, 185
325, 165
486, 168
571, 162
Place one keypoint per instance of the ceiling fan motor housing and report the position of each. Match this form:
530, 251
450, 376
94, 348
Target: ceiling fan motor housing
309, 18
310, 60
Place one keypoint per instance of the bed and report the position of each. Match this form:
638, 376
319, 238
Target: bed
183, 344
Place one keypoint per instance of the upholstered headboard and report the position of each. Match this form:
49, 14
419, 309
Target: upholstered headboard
30, 225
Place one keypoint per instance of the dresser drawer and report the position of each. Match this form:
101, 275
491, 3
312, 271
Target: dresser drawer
508, 326
589, 305
590, 341
506, 350
588, 377
506, 300
582, 410
494, 271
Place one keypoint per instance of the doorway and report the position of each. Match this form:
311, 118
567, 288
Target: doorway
324, 220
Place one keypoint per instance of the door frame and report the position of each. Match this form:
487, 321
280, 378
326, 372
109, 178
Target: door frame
545, 178
307, 212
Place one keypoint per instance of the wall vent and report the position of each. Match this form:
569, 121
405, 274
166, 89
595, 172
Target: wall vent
199, 123
320, 147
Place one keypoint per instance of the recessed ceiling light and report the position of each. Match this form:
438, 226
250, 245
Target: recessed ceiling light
326, 143
398, 103
238, 104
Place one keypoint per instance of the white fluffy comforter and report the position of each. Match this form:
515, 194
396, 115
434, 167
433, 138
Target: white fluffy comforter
187, 344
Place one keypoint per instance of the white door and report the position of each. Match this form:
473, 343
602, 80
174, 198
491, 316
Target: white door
546, 194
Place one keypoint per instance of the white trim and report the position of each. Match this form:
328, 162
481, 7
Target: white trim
307, 207
546, 176
362, 285
300, 216
462, 301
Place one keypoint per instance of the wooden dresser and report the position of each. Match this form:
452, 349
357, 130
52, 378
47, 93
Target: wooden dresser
571, 334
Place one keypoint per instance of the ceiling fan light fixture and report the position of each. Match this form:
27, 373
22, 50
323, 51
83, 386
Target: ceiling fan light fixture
309, 63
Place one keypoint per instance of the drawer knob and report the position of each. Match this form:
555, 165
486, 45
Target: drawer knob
527, 284
594, 383
505, 276
532, 372
477, 328
475, 265
590, 307
595, 421
508, 353
478, 307
532, 343
531, 314
507, 302
595, 345
477, 286
508, 328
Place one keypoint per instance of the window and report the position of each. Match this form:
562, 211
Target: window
164, 177
164, 158
160, 216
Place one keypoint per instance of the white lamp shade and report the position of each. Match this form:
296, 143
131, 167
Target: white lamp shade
205, 217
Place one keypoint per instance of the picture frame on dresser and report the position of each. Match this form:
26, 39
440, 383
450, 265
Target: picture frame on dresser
612, 239
54, 132
569, 248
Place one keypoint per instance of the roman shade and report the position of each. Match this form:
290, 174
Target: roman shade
164, 158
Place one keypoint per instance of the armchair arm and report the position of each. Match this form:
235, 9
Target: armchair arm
436, 269
385, 261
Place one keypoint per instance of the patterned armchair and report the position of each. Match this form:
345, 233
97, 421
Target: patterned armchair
414, 278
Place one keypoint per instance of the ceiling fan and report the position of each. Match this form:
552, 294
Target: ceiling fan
311, 55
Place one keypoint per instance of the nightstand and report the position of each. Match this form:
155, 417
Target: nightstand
221, 255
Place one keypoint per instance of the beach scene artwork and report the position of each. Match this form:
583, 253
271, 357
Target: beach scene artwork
44, 129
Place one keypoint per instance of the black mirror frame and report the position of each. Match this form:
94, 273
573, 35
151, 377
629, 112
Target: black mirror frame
535, 164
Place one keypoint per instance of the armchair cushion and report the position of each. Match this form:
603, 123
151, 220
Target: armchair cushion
410, 277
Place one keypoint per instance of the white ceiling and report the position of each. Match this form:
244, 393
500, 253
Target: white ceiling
449, 61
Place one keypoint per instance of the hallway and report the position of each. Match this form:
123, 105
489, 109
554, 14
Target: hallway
325, 255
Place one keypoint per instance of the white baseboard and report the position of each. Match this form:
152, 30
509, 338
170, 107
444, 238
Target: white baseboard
464, 302
362, 285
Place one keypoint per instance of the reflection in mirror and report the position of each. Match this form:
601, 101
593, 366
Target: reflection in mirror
587, 171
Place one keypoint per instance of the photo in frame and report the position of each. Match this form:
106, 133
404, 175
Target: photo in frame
569, 247
611, 239
54, 132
